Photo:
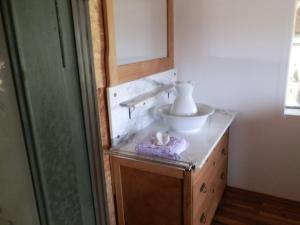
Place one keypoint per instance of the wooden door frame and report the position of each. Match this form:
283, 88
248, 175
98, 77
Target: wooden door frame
80, 10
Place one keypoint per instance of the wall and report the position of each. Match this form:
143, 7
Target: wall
237, 51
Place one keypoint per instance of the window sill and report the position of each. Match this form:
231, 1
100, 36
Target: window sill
292, 112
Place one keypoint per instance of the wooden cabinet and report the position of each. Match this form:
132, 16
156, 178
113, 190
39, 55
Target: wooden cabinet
149, 193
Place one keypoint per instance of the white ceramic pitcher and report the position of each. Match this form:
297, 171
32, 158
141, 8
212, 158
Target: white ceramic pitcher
184, 104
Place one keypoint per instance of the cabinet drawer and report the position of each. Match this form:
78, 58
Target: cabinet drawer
221, 179
202, 190
206, 170
221, 167
219, 185
204, 178
221, 149
214, 160
205, 207
202, 215
203, 182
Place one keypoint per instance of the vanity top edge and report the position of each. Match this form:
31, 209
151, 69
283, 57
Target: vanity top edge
200, 144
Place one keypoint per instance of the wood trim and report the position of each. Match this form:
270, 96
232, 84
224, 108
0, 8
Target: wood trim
119, 192
138, 70
187, 198
150, 167
124, 73
110, 44
103, 116
171, 33
99, 49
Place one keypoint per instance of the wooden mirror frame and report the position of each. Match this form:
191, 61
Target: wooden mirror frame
118, 74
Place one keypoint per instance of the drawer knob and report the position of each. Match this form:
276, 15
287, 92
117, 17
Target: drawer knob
224, 151
203, 188
223, 176
203, 218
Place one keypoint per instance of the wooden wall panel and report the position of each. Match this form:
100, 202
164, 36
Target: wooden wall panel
96, 17
98, 37
103, 114
109, 191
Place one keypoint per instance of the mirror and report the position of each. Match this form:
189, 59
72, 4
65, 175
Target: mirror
141, 30
139, 38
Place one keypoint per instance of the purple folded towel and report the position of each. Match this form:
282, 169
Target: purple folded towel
172, 150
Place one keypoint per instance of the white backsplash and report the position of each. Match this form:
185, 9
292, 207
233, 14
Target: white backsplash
121, 125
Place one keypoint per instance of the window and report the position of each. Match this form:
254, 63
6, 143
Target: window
293, 85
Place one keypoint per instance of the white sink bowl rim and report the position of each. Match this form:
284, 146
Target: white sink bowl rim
186, 124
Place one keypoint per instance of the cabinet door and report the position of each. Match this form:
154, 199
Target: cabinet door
149, 194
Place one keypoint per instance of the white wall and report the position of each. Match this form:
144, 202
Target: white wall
237, 53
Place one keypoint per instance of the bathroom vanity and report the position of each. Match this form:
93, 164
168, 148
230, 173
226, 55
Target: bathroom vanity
184, 191
152, 190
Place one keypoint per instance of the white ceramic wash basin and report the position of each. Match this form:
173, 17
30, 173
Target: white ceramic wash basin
186, 124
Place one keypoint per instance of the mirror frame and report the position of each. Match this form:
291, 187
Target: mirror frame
118, 74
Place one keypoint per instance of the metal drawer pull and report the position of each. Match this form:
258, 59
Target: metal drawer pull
203, 218
203, 188
223, 176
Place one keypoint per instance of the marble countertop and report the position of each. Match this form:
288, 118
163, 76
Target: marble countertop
201, 144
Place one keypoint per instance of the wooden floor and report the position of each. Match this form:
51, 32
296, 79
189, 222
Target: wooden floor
239, 207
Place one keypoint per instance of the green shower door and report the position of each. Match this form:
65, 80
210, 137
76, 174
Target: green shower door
17, 202
47, 162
